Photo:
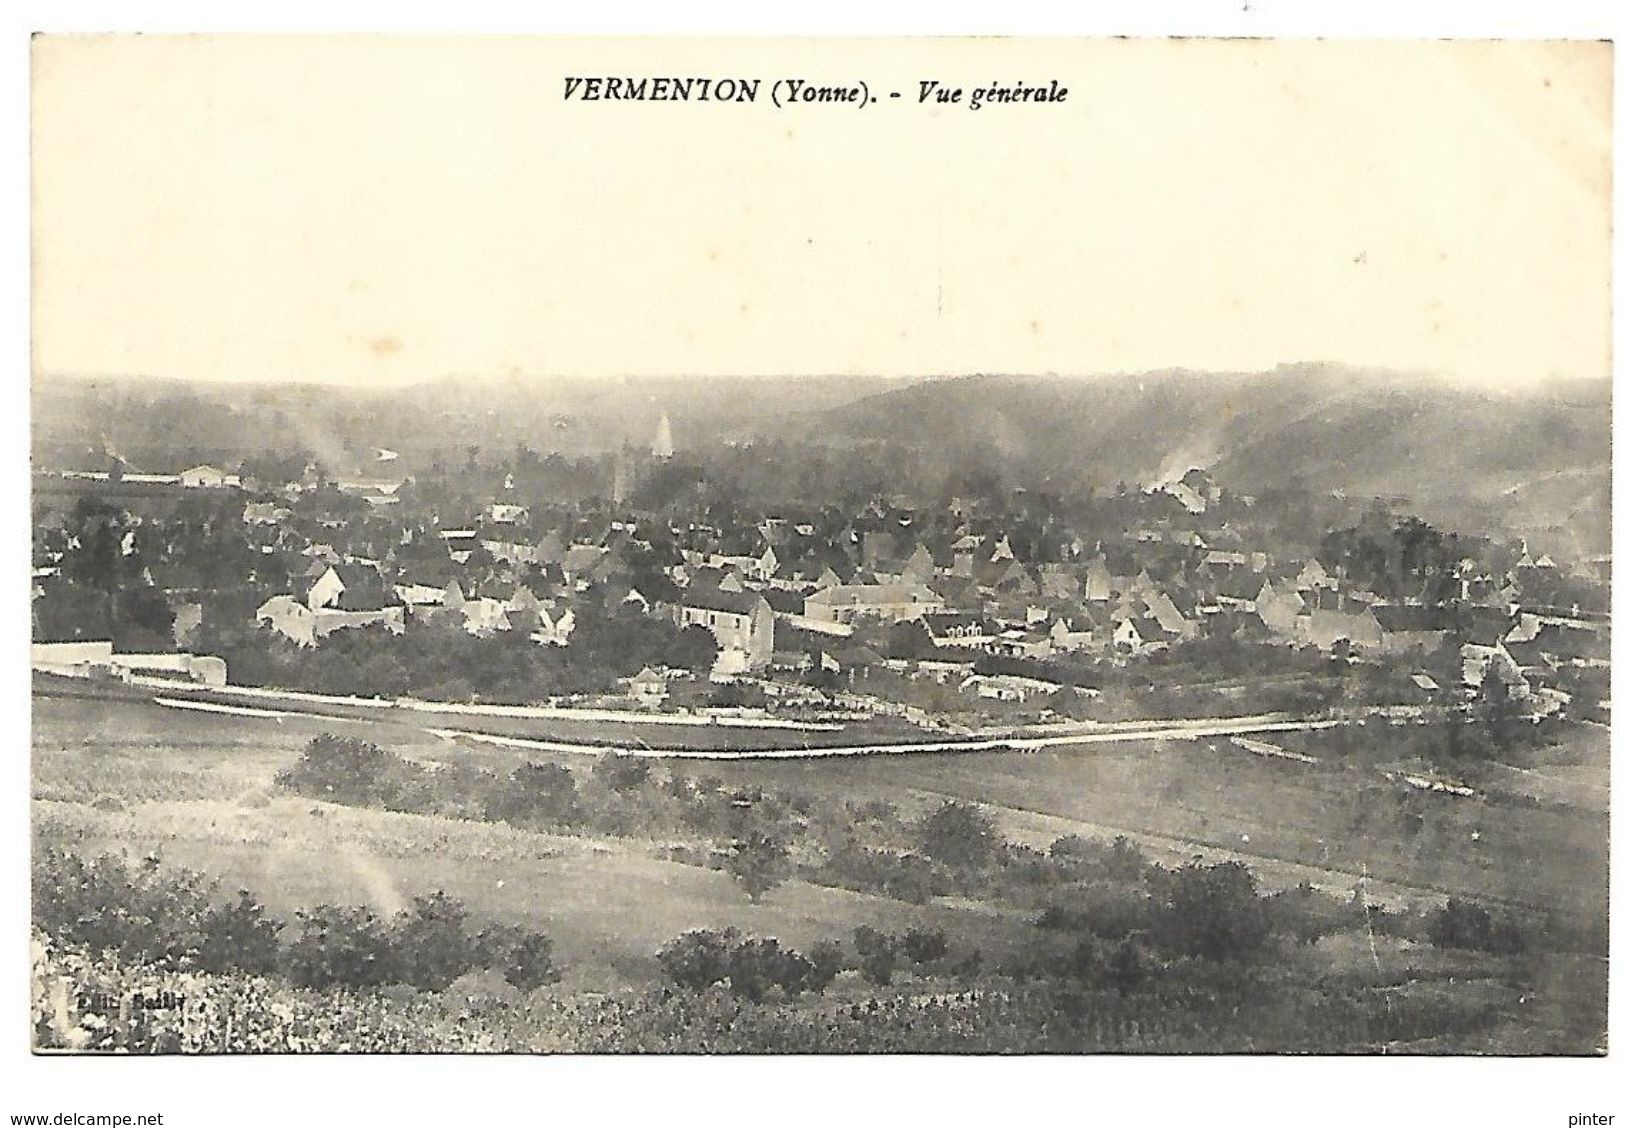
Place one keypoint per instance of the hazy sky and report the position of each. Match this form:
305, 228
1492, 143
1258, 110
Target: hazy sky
388, 210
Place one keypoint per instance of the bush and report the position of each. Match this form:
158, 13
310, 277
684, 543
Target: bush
1213, 912
697, 959
757, 862
924, 947
525, 959
170, 920
240, 937
431, 942
1462, 924
343, 769
1122, 861
1125, 967
757, 966
751, 967
959, 834
903, 876
535, 796
827, 962
338, 946
176, 921
622, 773
1306, 914
877, 954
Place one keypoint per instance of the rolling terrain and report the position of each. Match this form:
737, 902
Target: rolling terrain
1535, 464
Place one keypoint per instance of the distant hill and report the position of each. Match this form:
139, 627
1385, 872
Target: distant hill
163, 426
1534, 464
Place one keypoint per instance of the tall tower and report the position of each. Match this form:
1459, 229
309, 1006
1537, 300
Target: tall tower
662, 446
620, 485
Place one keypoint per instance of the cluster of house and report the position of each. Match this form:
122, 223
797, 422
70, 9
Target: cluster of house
96, 658
204, 477
972, 583
1149, 590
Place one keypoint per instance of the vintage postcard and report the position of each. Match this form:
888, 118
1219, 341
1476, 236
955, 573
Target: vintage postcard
1004, 547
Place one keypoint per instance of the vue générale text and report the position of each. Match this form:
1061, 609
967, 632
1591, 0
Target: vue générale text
784, 92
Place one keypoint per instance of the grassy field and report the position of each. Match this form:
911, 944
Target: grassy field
197, 790
1330, 823
1207, 796
188, 787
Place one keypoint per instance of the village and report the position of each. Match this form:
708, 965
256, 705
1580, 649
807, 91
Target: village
1178, 598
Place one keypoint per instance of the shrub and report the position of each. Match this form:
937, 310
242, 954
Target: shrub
344, 769
176, 921
338, 946
757, 862
240, 937
903, 876
1125, 967
1053, 917
697, 959
877, 954
757, 966
827, 962
622, 773
431, 942
1122, 861
524, 958
1213, 912
959, 834
924, 946
535, 796
751, 967
140, 912
1462, 924
1306, 914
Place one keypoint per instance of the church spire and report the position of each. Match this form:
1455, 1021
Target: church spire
662, 447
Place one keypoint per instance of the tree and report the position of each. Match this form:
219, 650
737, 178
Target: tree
959, 834
535, 795
758, 862
695, 649
432, 942
1213, 912
1496, 709
338, 946
877, 954
348, 770
925, 946
909, 639
622, 773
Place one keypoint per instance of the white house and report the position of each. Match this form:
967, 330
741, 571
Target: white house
208, 477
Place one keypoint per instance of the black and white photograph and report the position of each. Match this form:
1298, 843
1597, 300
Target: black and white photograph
1072, 547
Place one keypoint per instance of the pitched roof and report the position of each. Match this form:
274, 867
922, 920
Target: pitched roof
1409, 617
785, 602
852, 595
708, 598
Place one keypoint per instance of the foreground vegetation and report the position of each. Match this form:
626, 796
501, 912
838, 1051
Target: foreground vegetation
1128, 956
752, 909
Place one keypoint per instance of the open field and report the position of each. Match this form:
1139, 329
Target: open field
1180, 799
1214, 798
196, 789
609, 904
